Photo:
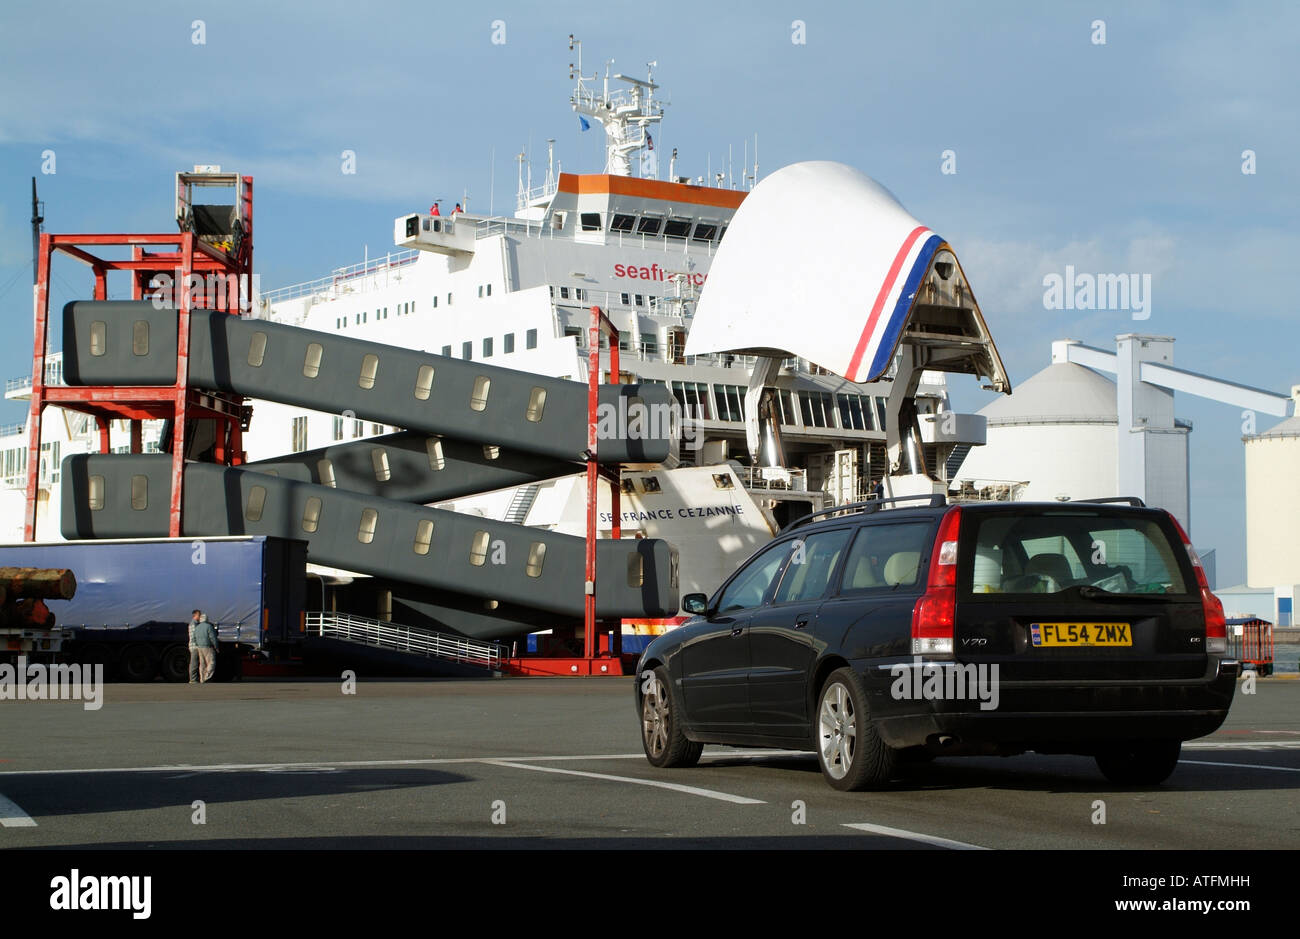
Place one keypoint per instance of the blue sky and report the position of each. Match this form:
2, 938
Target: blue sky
1122, 157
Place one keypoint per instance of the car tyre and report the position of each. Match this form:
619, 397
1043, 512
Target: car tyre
851, 753
1141, 763
661, 733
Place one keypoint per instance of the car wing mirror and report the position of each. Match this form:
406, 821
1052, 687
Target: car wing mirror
695, 603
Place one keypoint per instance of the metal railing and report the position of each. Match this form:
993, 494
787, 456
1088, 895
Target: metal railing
340, 277
53, 374
385, 635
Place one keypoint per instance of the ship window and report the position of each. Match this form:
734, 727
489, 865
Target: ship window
576, 332
677, 227
530, 339
311, 514
622, 222
379, 463
467, 350
478, 548
366, 530
649, 346
730, 400
98, 335
423, 536
139, 492
722, 234
536, 557
446, 351
590, 221
433, 448
705, 232
311, 364
818, 408
491, 452
649, 225
536, 405
478, 399
507, 343
640, 300
424, 379
96, 493
851, 412
449, 298
140, 338
358, 428
650, 484
435, 301
257, 349
557, 221
694, 399
635, 570
564, 293
369, 368
489, 290
480, 291
628, 486
625, 298
722, 481
487, 348
325, 471
256, 502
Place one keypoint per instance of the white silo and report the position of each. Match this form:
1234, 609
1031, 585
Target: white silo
1273, 504
1055, 433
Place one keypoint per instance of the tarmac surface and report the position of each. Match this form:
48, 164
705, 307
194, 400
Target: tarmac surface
556, 763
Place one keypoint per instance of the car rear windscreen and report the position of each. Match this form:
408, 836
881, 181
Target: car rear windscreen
1047, 553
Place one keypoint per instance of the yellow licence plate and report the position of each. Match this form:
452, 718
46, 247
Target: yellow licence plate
1080, 634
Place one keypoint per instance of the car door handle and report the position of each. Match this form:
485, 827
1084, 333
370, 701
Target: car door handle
738, 630
801, 622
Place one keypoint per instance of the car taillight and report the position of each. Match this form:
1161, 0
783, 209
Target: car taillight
934, 614
1216, 624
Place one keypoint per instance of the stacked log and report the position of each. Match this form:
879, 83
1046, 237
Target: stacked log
24, 590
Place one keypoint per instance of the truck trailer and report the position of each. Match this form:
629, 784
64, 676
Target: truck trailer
134, 599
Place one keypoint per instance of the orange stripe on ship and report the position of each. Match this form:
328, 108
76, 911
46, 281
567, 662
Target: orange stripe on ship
604, 184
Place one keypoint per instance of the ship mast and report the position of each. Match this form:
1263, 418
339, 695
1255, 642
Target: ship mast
624, 113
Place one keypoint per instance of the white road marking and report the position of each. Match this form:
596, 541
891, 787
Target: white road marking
323, 765
675, 787
11, 816
916, 836
1280, 769
1245, 745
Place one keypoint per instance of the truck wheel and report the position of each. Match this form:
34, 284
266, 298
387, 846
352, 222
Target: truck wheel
175, 664
139, 663
94, 653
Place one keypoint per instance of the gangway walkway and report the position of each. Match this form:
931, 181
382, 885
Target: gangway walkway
411, 639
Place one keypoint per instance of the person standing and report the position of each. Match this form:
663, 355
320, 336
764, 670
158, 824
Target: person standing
433, 209
194, 651
205, 641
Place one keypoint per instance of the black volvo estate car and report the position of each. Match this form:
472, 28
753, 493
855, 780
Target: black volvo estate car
874, 637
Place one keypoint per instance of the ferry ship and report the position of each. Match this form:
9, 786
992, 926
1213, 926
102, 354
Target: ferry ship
517, 292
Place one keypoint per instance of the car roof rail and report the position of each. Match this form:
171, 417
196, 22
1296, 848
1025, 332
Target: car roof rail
934, 501
1128, 500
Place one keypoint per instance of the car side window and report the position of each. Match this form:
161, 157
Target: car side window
885, 557
749, 587
812, 562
